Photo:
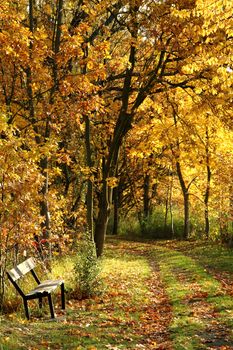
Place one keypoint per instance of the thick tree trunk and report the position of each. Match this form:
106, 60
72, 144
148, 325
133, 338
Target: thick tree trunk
102, 218
123, 125
100, 230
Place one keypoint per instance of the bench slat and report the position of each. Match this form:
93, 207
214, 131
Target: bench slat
21, 269
45, 287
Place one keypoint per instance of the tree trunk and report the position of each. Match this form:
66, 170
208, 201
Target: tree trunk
2, 285
146, 198
185, 192
170, 207
89, 196
207, 194
166, 212
100, 231
231, 214
45, 189
102, 218
186, 216
123, 125
208, 178
44, 162
116, 211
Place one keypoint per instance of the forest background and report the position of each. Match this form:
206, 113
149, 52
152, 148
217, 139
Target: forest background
115, 116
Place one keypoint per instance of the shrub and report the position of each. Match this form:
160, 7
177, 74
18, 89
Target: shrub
86, 271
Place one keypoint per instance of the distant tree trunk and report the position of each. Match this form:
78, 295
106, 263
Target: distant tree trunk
146, 197
184, 187
207, 194
208, 178
89, 196
170, 207
225, 216
222, 218
45, 189
116, 210
186, 216
2, 284
185, 191
231, 214
166, 211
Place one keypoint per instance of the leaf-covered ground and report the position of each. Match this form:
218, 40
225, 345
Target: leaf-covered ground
158, 295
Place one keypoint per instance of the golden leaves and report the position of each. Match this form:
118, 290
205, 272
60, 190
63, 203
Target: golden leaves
182, 14
47, 9
112, 181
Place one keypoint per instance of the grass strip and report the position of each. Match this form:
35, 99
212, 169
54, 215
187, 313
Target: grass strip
189, 284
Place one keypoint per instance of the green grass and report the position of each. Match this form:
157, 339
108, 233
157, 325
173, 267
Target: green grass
102, 322
189, 285
212, 255
202, 311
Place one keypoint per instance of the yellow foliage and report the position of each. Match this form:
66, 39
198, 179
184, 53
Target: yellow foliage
112, 182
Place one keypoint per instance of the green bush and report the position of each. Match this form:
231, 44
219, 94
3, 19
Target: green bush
86, 271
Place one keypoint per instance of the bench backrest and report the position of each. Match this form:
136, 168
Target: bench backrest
21, 269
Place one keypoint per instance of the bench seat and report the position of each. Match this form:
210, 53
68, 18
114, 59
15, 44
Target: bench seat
45, 287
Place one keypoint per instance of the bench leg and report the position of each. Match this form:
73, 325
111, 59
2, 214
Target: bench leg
63, 296
26, 308
40, 303
51, 306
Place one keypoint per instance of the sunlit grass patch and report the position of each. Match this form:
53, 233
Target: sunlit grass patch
108, 320
190, 286
63, 267
127, 312
208, 254
213, 255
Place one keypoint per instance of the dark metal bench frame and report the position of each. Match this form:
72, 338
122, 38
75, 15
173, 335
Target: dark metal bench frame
42, 290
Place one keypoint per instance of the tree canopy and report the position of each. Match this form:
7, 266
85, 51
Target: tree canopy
124, 104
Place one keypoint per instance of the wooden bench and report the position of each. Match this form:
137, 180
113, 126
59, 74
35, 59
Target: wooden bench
42, 290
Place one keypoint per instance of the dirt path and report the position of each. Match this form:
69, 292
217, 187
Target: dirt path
216, 334
159, 314
202, 302
199, 305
